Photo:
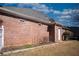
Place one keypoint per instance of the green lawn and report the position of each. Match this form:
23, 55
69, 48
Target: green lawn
65, 48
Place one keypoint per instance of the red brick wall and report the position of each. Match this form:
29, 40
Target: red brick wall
18, 33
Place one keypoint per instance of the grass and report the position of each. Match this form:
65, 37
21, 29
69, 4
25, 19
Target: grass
65, 48
27, 46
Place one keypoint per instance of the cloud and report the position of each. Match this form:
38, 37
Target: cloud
68, 17
66, 11
71, 11
67, 14
76, 11
24, 5
41, 7
56, 12
65, 17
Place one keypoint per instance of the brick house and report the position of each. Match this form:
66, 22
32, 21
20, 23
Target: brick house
22, 26
60, 31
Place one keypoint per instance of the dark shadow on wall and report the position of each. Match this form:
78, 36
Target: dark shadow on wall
51, 31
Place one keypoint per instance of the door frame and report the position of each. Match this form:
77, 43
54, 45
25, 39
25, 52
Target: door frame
2, 27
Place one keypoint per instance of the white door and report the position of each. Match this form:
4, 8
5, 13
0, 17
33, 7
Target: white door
59, 34
1, 37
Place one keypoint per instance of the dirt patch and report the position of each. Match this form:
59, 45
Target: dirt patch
66, 48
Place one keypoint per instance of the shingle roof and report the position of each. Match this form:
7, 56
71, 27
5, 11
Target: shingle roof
27, 13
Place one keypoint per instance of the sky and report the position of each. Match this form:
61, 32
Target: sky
66, 14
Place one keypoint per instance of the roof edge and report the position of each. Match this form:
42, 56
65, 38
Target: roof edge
22, 15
